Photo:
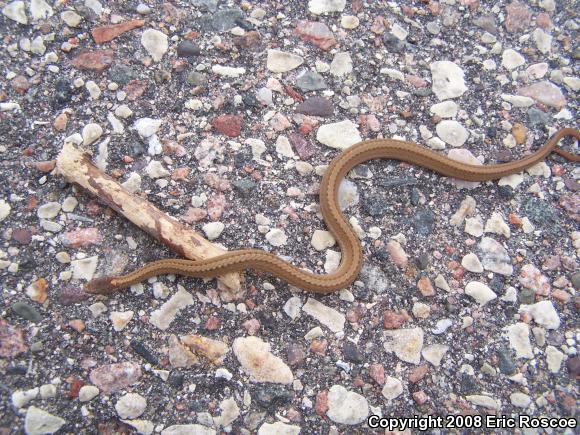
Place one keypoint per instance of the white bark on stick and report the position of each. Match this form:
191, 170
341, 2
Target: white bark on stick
76, 167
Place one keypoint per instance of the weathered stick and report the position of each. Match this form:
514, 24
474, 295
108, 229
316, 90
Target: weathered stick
76, 167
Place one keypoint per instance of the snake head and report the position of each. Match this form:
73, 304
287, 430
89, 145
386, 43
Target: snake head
100, 286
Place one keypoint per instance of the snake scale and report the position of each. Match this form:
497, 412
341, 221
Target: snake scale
351, 260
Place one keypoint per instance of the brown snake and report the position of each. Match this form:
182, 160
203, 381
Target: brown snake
351, 261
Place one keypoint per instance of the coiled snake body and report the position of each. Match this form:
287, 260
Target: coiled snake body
351, 260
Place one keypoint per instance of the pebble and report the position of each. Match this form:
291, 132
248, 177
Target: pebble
114, 377
448, 80
280, 61
452, 133
546, 93
156, 170
434, 353
471, 263
155, 42
228, 125
338, 135
71, 18
38, 422
4, 210
349, 22
542, 40
407, 344
96, 60
518, 100
481, 293
484, 401
322, 240
494, 257
167, 313
511, 59
103, 34
341, 64
16, 12
310, 81
213, 230
88, 393
188, 429
11, 340
392, 389
143, 427
519, 338
224, 71
22, 398
91, 133
276, 237
318, 7
495, 224
530, 277
49, 210
520, 400
278, 428
256, 360
329, 317
120, 319
315, 32
445, 109
518, 16
188, 49
554, 359
543, 313
292, 307
346, 407
131, 405
316, 106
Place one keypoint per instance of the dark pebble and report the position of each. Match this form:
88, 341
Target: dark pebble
543, 215
301, 145
250, 100
375, 205
468, 384
140, 349
505, 192
505, 362
423, 222
422, 261
538, 117
137, 149
176, 380
573, 365
272, 396
527, 296
497, 283
310, 81
26, 311
392, 43
351, 352
244, 186
71, 294
188, 49
121, 74
414, 196
382, 255
361, 171
295, 355
195, 78
17, 370
22, 236
576, 280
492, 132
62, 91
222, 20
315, 106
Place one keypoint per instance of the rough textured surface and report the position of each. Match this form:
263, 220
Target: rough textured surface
224, 115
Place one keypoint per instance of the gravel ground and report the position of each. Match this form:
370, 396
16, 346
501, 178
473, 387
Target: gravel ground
225, 114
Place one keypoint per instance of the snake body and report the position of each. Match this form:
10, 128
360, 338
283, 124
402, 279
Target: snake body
351, 260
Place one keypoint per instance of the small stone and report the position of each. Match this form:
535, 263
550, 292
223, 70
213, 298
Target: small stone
341, 64
425, 287
163, 316
256, 359
511, 59
484, 401
346, 407
435, 353
155, 169
448, 80
120, 319
71, 18
329, 317
188, 49
405, 343
280, 62
21, 398
338, 135
543, 313
315, 106
213, 230
480, 292
114, 377
276, 237
546, 93
16, 12
12, 338
49, 210
520, 400
278, 428
228, 71
494, 257
349, 22
393, 320
97, 60
91, 133
322, 240
38, 421
310, 81
518, 17
155, 42
228, 125
471, 263
392, 389
554, 359
315, 32
452, 132
88, 393
103, 34
318, 7
519, 337
497, 225
543, 41
445, 109
131, 405
530, 277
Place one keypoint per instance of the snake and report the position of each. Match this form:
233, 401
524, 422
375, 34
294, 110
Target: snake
351, 252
